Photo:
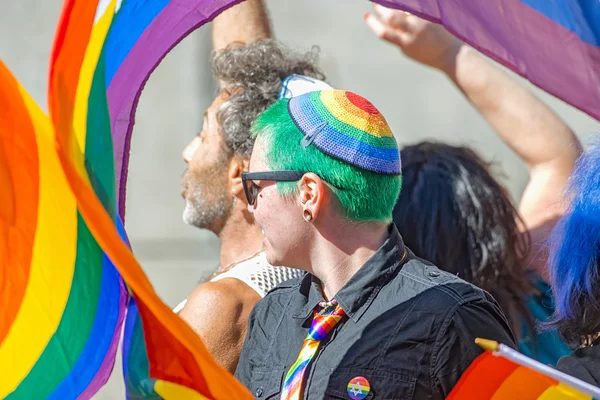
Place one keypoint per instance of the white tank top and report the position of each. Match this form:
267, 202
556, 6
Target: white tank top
257, 273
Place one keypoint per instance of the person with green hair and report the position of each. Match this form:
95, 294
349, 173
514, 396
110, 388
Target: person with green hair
368, 316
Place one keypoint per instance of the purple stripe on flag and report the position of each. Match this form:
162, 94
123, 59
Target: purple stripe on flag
178, 19
524, 40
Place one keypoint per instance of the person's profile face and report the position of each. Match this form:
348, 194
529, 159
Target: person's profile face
204, 183
279, 217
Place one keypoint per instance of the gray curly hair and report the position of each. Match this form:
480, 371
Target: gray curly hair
252, 75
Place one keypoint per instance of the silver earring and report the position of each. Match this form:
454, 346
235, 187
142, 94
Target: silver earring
307, 215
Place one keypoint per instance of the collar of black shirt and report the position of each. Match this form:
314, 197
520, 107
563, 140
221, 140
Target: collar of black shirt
360, 291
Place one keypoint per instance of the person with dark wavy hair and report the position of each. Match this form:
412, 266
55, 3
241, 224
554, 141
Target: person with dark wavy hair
253, 71
575, 270
453, 212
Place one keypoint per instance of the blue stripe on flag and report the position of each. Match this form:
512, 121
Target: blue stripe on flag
131, 21
98, 343
581, 17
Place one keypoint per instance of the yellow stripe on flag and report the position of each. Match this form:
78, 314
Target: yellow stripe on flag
563, 392
52, 266
86, 75
172, 391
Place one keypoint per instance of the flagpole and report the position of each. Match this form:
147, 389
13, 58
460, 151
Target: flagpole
500, 349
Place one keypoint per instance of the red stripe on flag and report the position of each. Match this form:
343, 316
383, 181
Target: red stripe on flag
169, 360
68, 51
483, 377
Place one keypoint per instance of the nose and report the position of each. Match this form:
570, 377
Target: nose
190, 150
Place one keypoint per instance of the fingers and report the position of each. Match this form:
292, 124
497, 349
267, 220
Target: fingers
383, 31
393, 18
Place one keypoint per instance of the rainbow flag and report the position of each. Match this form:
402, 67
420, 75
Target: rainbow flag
553, 43
177, 360
142, 33
502, 373
62, 299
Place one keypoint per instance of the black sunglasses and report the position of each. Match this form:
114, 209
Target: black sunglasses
251, 190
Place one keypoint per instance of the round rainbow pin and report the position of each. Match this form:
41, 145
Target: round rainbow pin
358, 388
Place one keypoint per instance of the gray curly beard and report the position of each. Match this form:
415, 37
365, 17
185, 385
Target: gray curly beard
201, 213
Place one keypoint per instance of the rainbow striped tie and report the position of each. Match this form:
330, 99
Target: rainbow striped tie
326, 316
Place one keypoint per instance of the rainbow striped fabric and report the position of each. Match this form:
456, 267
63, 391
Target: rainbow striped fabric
491, 377
141, 34
325, 318
347, 126
553, 43
502, 373
62, 300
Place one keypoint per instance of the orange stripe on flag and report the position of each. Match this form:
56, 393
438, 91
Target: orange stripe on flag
530, 384
19, 191
482, 378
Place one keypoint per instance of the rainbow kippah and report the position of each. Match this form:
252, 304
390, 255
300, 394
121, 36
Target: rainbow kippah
348, 127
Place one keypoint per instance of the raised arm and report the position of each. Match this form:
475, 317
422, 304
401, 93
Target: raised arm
244, 22
535, 133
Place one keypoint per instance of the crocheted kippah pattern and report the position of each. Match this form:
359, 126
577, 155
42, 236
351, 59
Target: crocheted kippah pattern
348, 127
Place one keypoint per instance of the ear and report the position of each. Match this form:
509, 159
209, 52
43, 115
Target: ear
313, 193
236, 166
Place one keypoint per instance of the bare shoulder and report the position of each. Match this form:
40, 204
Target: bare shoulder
227, 297
218, 312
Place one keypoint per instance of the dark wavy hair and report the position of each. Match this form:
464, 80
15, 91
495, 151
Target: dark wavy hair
575, 255
252, 74
452, 212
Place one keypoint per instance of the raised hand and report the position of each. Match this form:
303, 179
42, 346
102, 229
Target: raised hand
421, 40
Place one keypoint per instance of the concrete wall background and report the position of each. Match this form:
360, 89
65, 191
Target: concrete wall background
419, 103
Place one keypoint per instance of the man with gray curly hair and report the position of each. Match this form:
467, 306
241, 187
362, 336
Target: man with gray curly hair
253, 71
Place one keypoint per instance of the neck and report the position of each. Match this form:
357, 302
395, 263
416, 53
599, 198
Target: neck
240, 238
339, 254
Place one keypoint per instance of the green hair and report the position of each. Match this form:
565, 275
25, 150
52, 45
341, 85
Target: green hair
364, 195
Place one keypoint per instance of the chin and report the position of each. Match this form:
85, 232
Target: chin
187, 215
190, 216
272, 257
